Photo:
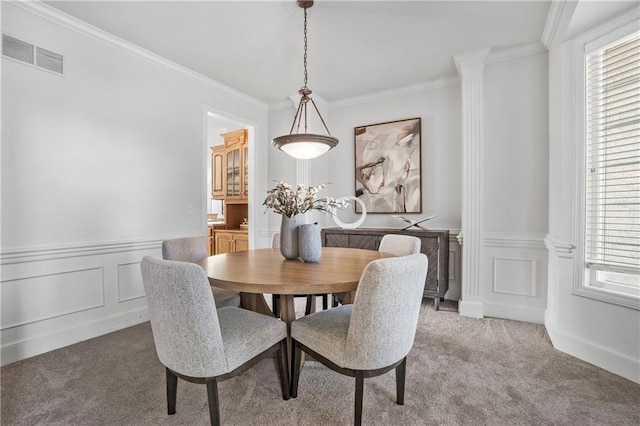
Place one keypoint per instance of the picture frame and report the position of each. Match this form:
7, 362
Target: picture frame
388, 169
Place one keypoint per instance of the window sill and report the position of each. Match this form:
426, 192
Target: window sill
608, 296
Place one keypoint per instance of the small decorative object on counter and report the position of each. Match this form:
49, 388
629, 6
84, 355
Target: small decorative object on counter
290, 203
310, 242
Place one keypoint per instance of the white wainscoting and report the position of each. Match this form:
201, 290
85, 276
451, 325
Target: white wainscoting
514, 276
56, 296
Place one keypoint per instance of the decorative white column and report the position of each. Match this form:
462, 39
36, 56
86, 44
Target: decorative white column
470, 67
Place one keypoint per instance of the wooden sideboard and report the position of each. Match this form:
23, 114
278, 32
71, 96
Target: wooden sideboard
435, 244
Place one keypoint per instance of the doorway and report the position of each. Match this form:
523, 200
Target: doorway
219, 210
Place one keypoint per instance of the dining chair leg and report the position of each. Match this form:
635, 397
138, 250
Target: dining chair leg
296, 356
307, 309
172, 390
275, 305
401, 374
212, 396
334, 302
357, 419
283, 369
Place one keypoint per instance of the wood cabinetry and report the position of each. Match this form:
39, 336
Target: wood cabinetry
230, 168
230, 241
211, 243
435, 244
230, 183
218, 158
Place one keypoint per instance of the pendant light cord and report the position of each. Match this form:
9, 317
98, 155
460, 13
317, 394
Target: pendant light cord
305, 47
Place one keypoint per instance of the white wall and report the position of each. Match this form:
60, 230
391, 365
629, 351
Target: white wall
98, 166
601, 333
515, 188
438, 105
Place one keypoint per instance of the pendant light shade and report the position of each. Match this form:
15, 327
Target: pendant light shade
305, 146
301, 144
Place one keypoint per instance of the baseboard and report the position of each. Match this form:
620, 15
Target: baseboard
514, 312
471, 309
37, 345
599, 356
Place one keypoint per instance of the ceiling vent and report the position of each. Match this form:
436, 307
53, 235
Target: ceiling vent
48, 60
32, 55
17, 49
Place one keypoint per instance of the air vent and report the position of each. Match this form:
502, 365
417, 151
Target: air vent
30, 54
17, 49
48, 60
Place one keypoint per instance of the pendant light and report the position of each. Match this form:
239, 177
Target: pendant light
303, 145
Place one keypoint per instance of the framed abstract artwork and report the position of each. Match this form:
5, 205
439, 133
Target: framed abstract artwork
388, 166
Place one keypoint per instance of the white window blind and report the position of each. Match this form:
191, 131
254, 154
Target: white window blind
613, 162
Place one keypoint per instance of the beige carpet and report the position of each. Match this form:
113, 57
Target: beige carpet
461, 371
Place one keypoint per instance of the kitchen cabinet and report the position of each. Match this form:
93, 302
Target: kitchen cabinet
218, 158
230, 168
230, 241
236, 165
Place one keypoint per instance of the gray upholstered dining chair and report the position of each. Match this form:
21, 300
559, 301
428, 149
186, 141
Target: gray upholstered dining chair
193, 249
275, 298
396, 244
200, 344
372, 336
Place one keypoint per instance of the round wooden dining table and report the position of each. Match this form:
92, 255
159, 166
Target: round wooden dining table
255, 272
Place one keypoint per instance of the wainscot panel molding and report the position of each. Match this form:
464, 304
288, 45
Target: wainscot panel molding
514, 276
57, 296
42, 297
503, 239
19, 255
130, 284
559, 248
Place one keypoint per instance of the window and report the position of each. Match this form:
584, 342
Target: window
612, 169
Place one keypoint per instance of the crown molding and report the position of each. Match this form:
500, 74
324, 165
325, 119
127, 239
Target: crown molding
609, 25
471, 63
375, 96
505, 54
56, 16
398, 91
552, 22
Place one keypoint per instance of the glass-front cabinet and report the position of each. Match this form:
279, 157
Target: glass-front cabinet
245, 166
233, 174
230, 180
